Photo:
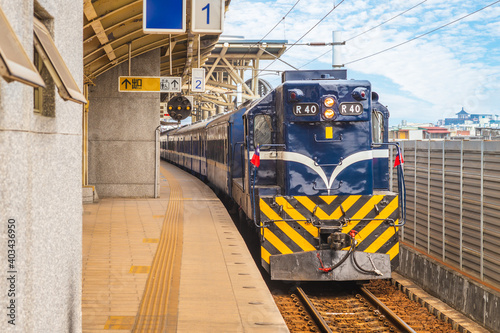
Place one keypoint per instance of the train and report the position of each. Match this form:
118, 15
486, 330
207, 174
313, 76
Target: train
308, 164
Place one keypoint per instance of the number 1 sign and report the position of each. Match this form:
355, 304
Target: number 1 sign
207, 16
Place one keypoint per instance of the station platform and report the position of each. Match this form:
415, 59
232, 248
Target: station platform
172, 264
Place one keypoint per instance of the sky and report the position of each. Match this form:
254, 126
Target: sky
422, 81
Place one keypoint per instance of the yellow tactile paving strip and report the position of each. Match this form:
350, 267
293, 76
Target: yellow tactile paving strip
120, 239
162, 288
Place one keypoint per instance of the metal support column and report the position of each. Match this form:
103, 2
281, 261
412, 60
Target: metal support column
461, 201
157, 160
429, 197
443, 233
415, 197
85, 132
481, 226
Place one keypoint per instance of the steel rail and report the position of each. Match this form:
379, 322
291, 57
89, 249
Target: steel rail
389, 314
316, 316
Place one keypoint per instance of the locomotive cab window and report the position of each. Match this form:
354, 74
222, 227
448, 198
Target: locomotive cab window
262, 130
377, 126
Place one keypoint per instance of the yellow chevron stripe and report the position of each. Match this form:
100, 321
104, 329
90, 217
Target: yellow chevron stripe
276, 242
320, 213
362, 212
371, 226
295, 236
265, 254
294, 214
306, 202
351, 200
381, 240
394, 251
285, 227
328, 198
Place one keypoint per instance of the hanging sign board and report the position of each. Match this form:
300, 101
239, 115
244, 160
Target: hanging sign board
164, 16
198, 83
149, 84
207, 16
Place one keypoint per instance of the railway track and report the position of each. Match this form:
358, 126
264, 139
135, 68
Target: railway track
378, 307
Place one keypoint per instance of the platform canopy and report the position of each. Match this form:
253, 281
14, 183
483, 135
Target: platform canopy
110, 27
113, 32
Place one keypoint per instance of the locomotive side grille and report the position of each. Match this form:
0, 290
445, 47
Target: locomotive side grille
290, 223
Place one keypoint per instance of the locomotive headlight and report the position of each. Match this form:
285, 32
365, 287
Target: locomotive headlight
329, 114
329, 102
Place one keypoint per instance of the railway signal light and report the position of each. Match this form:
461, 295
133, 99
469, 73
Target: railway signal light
179, 108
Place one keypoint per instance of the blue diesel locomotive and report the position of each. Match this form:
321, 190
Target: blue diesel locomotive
319, 197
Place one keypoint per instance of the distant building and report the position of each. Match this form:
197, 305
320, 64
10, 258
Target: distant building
408, 131
463, 114
435, 133
472, 125
464, 126
462, 117
469, 119
455, 132
488, 133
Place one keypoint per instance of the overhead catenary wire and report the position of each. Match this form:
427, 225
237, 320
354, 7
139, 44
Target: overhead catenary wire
267, 34
272, 29
296, 42
282, 19
364, 32
386, 21
305, 34
422, 35
307, 63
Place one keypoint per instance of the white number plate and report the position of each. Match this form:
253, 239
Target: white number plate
350, 109
305, 109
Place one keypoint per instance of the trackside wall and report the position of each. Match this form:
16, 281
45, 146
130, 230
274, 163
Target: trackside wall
452, 228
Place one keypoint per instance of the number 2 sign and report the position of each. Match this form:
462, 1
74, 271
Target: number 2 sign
198, 80
207, 16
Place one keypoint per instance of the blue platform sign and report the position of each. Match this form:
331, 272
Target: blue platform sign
164, 16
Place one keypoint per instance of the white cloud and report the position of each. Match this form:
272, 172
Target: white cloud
441, 72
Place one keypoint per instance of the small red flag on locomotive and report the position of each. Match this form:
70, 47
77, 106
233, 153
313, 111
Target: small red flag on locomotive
256, 157
399, 159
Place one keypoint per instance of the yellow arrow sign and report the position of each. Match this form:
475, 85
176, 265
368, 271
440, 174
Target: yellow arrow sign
149, 84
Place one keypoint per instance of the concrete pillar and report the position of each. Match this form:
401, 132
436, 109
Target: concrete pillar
122, 132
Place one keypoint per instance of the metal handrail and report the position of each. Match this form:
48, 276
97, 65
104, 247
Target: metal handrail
326, 189
341, 138
401, 183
